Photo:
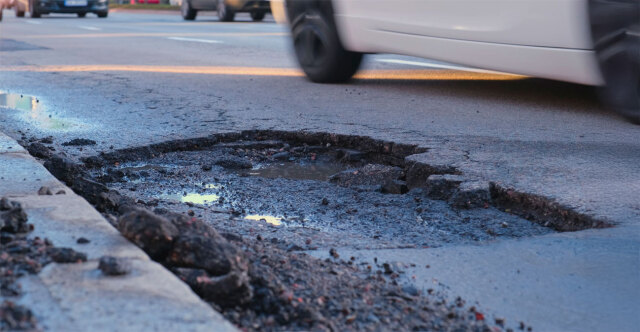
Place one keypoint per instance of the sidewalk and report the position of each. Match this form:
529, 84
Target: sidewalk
78, 297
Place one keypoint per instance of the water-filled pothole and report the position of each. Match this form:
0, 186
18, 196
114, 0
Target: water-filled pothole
315, 197
32, 110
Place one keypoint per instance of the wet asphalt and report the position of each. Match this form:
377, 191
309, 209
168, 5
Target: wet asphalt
130, 80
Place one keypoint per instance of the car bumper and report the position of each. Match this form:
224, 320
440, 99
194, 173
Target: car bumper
58, 6
250, 5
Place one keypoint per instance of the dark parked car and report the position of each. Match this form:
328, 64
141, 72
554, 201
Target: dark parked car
226, 9
79, 7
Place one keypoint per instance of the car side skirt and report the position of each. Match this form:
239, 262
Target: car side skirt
563, 64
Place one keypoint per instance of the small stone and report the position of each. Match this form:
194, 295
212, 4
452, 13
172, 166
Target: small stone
206, 167
387, 268
45, 191
112, 266
334, 253
500, 321
61, 192
66, 255
325, 201
504, 224
82, 240
191, 213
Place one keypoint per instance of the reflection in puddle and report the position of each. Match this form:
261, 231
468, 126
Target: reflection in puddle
201, 199
276, 221
320, 171
193, 197
32, 110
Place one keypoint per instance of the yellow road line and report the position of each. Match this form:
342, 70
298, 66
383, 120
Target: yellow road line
374, 74
155, 34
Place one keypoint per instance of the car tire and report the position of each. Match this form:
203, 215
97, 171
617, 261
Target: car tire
258, 15
0, 14
225, 12
82, 15
33, 11
319, 50
103, 14
187, 12
615, 27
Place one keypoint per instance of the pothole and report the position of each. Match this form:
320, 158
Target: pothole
317, 193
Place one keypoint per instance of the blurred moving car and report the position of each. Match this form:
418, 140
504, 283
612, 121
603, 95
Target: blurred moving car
592, 42
37, 8
226, 9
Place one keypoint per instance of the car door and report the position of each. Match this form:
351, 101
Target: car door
519, 22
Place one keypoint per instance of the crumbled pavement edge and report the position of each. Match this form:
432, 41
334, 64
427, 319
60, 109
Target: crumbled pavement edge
79, 297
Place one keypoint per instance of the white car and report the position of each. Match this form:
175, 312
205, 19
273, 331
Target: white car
592, 42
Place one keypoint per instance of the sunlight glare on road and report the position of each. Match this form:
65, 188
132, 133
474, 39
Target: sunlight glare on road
371, 74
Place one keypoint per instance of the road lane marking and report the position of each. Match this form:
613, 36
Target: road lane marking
156, 34
376, 74
207, 41
88, 28
32, 22
440, 66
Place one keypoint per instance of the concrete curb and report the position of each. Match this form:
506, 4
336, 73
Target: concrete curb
78, 297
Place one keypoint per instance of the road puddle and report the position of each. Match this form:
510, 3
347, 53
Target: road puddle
32, 110
276, 221
193, 198
319, 171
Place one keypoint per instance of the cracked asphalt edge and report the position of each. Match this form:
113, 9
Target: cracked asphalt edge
79, 297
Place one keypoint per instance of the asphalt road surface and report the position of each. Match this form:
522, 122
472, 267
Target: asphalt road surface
137, 78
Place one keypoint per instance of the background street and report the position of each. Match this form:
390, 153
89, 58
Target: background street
139, 78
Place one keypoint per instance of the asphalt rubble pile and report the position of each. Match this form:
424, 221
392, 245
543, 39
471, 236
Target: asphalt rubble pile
21, 255
258, 286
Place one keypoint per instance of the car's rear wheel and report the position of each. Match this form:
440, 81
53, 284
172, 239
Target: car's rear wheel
33, 10
103, 14
258, 15
81, 15
615, 27
225, 12
187, 12
318, 47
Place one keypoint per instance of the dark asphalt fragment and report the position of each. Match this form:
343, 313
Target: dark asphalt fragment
151, 232
114, 266
229, 290
13, 219
79, 142
233, 162
66, 255
14, 317
82, 240
39, 150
